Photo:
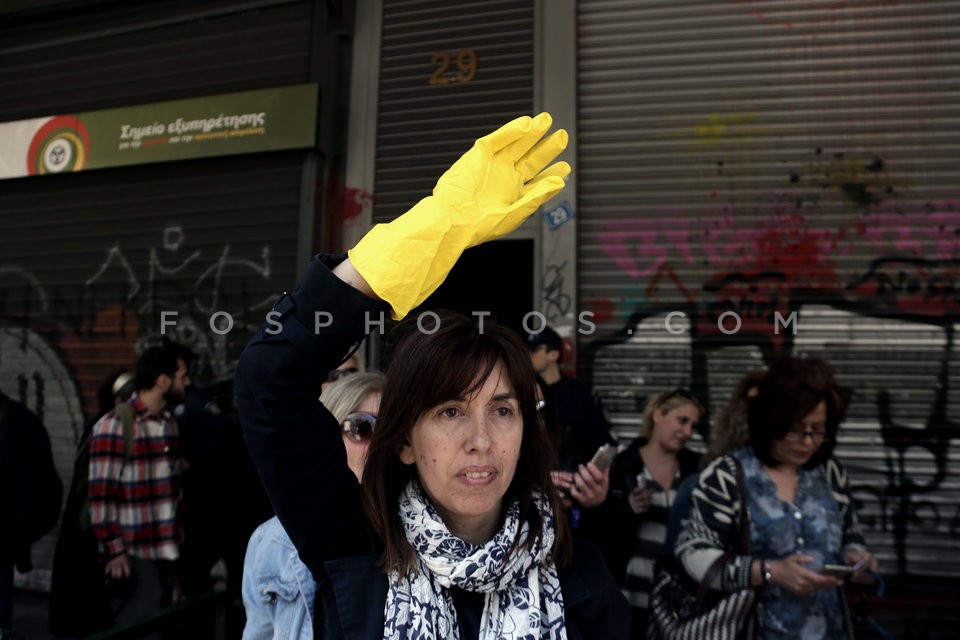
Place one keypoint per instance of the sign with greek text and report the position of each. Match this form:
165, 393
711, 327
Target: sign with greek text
226, 124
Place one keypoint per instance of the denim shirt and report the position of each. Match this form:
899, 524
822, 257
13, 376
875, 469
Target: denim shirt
810, 525
278, 589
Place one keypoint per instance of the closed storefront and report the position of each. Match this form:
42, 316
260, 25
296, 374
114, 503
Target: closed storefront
766, 178
178, 224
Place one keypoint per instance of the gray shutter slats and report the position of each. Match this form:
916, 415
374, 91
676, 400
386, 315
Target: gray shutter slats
789, 156
423, 128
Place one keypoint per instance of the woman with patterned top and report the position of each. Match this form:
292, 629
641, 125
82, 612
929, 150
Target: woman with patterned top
800, 511
646, 476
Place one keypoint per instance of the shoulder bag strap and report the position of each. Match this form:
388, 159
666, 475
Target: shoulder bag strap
744, 547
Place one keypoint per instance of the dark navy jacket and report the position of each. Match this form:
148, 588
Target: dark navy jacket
297, 448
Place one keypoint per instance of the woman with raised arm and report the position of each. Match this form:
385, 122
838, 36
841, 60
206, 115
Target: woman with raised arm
457, 535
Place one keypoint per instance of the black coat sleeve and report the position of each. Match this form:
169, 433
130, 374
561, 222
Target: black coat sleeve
294, 441
32, 490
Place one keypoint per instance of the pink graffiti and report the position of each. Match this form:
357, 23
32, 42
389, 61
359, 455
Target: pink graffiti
724, 242
636, 245
905, 227
779, 236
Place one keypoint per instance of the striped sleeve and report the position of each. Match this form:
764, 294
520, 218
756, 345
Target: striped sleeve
853, 539
713, 526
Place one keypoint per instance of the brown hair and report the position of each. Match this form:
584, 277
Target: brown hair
427, 370
729, 430
792, 388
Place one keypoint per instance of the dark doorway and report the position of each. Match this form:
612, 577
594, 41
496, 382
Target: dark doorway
496, 277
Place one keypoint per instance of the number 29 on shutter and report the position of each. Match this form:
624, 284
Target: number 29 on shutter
466, 66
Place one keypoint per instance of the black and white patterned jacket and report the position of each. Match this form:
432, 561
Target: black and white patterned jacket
713, 524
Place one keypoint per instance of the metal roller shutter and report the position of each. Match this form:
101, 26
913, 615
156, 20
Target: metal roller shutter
151, 53
771, 157
91, 259
447, 76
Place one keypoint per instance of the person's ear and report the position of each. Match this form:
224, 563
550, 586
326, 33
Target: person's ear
406, 454
553, 354
658, 415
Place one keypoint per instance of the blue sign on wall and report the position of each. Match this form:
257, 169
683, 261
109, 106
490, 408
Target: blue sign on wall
558, 215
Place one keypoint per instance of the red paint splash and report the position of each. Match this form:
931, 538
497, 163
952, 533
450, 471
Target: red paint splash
99, 349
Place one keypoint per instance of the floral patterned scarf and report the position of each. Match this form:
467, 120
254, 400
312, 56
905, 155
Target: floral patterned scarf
522, 597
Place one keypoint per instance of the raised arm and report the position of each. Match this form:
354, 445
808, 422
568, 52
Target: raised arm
294, 441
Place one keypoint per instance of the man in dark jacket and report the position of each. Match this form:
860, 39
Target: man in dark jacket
582, 425
30, 493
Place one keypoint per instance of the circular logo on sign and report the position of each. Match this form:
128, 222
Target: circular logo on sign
62, 144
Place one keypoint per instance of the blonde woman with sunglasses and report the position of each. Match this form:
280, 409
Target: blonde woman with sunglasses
278, 588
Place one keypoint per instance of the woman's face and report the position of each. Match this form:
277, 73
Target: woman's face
673, 428
357, 451
466, 452
802, 441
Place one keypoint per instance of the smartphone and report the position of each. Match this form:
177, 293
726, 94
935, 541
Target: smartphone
843, 570
836, 570
604, 456
641, 481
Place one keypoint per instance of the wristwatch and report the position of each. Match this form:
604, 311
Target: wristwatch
765, 573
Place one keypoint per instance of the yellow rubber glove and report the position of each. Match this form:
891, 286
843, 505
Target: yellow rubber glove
485, 195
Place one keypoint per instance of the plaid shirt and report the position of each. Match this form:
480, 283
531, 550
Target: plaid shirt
133, 506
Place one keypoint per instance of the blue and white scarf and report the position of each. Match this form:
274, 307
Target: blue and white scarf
522, 597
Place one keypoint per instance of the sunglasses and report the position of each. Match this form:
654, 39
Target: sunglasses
679, 392
336, 374
360, 426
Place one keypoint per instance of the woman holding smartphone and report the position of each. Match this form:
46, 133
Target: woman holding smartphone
647, 474
800, 512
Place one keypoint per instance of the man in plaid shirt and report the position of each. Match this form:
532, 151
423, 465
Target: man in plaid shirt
134, 501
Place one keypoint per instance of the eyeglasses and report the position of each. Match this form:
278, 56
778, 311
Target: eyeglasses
336, 374
360, 426
796, 435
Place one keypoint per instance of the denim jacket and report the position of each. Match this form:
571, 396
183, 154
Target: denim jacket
278, 589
